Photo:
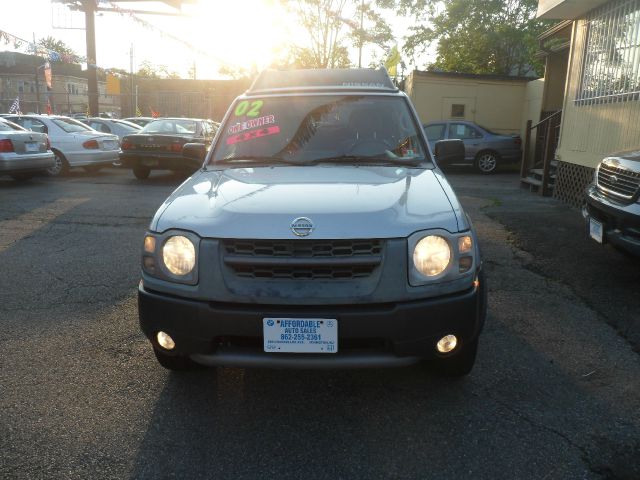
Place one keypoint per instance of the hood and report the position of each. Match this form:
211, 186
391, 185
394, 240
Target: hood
340, 201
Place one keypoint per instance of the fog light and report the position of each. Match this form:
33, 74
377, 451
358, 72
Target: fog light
465, 264
167, 342
446, 343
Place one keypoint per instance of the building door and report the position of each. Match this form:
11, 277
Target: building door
459, 108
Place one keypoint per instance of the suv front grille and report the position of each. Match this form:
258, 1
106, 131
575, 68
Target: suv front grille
618, 181
303, 259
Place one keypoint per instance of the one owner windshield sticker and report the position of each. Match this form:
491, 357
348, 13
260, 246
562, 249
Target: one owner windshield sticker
251, 134
250, 109
249, 124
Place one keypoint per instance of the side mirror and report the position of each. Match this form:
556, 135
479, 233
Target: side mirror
449, 151
194, 151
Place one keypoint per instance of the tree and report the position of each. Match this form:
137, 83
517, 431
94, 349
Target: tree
57, 46
476, 36
147, 70
329, 25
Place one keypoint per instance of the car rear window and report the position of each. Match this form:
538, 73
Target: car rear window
171, 126
7, 126
70, 125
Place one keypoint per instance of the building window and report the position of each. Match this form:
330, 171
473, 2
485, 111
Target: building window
611, 58
457, 111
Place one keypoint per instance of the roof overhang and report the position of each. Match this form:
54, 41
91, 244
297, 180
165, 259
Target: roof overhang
566, 9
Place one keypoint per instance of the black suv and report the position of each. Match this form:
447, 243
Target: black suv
612, 207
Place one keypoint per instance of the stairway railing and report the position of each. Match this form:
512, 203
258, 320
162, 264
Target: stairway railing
549, 123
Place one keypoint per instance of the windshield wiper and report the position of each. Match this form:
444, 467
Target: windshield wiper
254, 159
377, 159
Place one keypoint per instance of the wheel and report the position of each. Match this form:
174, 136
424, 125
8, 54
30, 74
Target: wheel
175, 362
92, 168
460, 364
141, 172
22, 177
61, 165
486, 162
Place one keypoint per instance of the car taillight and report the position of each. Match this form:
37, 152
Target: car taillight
517, 141
6, 146
126, 145
175, 147
91, 144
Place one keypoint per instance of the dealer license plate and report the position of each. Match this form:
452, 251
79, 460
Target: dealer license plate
595, 230
110, 144
31, 147
300, 335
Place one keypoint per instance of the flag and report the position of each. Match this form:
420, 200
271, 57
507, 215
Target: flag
15, 106
47, 74
392, 61
138, 112
49, 110
154, 114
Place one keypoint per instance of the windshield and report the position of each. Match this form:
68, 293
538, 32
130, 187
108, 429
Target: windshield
311, 129
70, 125
170, 126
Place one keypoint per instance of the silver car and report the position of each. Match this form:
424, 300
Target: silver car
73, 143
318, 233
23, 154
112, 125
484, 149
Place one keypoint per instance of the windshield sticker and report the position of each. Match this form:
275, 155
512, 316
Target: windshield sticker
249, 124
250, 109
251, 134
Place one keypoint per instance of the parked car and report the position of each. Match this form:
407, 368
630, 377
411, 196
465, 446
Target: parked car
485, 150
319, 233
109, 125
612, 206
142, 121
158, 146
73, 143
23, 154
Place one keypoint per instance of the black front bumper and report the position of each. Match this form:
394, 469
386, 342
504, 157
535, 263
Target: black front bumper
372, 335
620, 221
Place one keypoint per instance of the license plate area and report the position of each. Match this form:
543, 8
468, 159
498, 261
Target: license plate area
300, 335
31, 147
595, 230
150, 162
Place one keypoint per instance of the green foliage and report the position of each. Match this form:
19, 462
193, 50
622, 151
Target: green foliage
476, 36
57, 46
330, 26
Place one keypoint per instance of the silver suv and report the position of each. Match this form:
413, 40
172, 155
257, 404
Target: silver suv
319, 233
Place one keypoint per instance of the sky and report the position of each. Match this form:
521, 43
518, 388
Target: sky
235, 33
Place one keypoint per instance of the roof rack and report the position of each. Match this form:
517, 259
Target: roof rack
322, 79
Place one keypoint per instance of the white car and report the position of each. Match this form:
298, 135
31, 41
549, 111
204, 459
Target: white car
23, 154
73, 143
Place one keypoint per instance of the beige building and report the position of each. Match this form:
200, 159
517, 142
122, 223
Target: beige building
23, 76
596, 84
499, 103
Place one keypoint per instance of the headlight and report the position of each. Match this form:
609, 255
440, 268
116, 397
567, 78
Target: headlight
432, 255
179, 255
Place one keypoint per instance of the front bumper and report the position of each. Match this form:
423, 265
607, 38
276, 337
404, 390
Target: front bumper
18, 163
620, 221
370, 335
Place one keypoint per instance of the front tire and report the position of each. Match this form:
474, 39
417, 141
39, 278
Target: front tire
486, 162
177, 363
459, 364
141, 173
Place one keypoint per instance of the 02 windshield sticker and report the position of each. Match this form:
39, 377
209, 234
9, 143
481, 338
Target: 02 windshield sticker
251, 134
250, 109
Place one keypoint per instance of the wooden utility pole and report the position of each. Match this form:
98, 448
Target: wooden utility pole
89, 7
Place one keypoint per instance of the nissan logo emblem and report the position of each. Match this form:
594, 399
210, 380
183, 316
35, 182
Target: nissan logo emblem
302, 226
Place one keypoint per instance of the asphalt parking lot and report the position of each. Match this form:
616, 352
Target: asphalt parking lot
555, 393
